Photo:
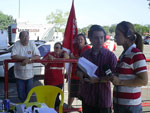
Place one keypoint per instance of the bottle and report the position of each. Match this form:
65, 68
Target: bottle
6, 103
1, 105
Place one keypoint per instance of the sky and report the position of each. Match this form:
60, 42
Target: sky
102, 12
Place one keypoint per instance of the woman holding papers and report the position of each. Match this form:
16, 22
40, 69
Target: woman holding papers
95, 92
79, 47
131, 71
54, 71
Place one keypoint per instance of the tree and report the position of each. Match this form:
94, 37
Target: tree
5, 21
112, 28
106, 28
59, 18
85, 30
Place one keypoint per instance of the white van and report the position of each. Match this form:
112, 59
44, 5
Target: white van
3, 39
37, 31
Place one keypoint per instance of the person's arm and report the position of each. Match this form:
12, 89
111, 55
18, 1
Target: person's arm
36, 53
66, 55
141, 76
18, 57
80, 74
48, 56
26, 60
112, 61
73, 57
140, 80
84, 77
35, 57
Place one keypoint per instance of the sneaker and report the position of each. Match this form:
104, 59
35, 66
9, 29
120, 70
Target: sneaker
65, 105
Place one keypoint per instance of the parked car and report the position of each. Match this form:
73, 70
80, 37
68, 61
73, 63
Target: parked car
5, 50
38, 67
147, 40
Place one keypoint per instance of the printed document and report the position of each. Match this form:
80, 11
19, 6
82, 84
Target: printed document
87, 66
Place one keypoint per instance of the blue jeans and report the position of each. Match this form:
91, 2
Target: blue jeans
23, 88
127, 109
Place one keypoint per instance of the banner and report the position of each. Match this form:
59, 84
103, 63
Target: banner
71, 30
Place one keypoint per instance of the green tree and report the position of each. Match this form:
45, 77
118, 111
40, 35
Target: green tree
5, 20
112, 28
58, 18
106, 28
139, 28
85, 30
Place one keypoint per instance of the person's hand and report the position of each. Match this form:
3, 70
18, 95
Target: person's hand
66, 55
92, 80
97, 80
50, 57
115, 80
72, 56
26, 61
104, 79
80, 74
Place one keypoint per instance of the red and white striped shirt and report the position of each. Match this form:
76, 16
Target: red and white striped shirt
131, 63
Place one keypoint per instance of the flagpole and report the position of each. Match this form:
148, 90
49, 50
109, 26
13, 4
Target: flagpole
19, 10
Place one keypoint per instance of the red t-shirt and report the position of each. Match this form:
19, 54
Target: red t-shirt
53, 72
77, 53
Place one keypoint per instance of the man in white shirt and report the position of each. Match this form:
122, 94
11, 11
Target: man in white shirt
24, 50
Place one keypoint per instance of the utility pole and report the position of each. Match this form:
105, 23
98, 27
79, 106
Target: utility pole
19, 10
149, 3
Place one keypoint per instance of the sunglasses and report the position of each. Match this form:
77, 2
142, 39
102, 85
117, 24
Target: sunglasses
57, 47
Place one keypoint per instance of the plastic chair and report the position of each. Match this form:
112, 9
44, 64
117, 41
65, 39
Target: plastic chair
47, 94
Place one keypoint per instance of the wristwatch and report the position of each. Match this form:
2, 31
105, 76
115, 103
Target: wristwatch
30, 59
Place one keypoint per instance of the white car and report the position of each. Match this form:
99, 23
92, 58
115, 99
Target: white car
38, 67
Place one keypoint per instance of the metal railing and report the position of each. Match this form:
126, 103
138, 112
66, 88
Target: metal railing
34, 61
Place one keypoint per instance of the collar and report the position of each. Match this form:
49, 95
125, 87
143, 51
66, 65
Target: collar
101, 51
129, 49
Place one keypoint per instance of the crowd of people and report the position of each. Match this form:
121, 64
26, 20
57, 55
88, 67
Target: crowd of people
127, 74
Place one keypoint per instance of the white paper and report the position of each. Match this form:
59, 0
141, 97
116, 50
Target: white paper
86, 66
43, 109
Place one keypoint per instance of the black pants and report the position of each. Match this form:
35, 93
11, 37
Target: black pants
90, 109
57, 98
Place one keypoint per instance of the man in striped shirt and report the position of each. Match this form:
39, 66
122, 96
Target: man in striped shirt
95, 93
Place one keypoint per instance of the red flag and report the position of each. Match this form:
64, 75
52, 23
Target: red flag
71, 30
